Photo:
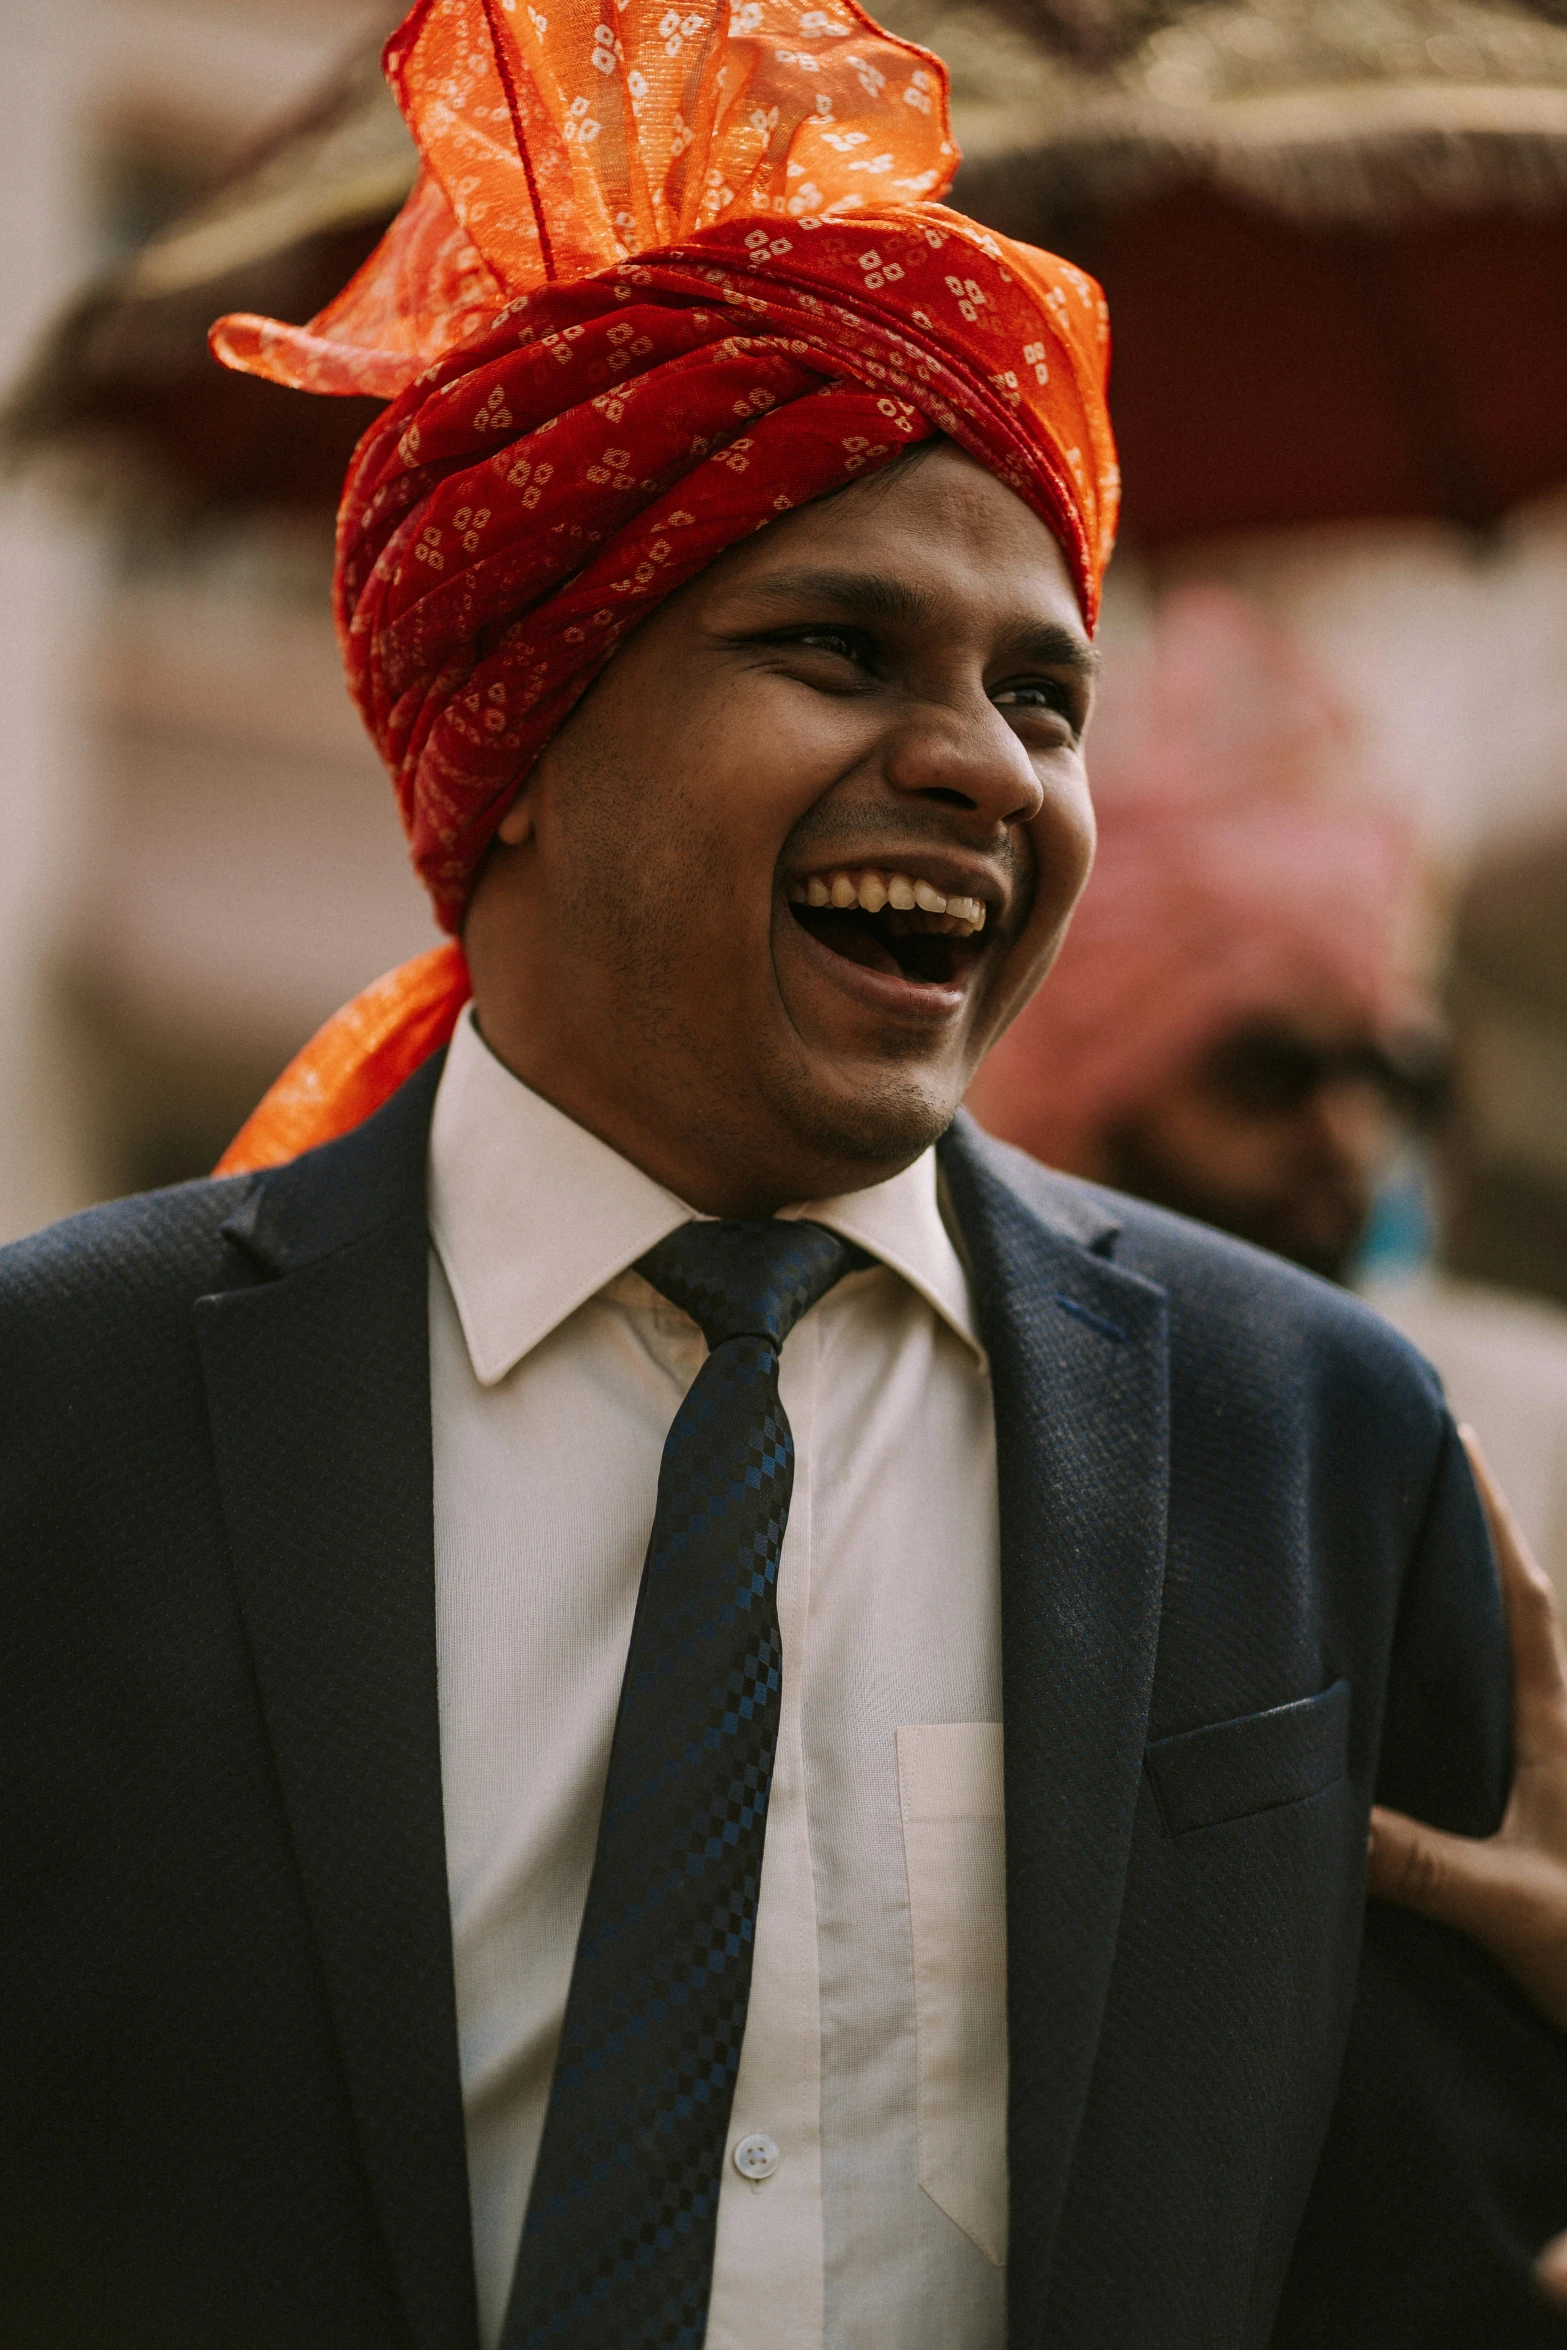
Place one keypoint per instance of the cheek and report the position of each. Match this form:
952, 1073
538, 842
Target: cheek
662, 874
596, 825
1061, 846
666, 805
774, 752
1062, 839
611, 873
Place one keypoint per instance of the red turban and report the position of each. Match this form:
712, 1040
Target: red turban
1243, 869
665, 274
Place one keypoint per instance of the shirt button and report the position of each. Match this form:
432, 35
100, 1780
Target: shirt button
756, 2157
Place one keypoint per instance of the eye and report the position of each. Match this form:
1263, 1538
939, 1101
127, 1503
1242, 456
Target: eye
844, 642
829, 659
1031, 696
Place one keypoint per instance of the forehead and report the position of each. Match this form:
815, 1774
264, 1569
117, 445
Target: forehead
940, 523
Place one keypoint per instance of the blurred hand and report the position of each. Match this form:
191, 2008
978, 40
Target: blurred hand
1551, 2270
1509, 1891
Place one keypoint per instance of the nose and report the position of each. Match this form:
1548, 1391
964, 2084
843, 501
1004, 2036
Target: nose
962, 754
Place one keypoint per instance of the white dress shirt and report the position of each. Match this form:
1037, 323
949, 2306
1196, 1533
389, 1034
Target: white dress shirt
875, 2053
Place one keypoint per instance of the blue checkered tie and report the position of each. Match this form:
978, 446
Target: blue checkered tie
617, 2246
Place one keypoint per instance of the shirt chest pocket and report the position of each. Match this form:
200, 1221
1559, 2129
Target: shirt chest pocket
949, 1792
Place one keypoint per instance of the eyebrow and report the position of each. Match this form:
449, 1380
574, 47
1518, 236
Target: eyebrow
877, 595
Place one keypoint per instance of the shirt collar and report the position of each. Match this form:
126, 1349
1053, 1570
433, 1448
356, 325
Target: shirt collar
531, 1215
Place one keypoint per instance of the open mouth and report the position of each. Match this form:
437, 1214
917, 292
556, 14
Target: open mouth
891, 923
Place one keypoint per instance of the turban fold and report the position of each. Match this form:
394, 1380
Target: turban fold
1244, 869
664, 275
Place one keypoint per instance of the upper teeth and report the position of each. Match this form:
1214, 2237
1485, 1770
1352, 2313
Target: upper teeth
873, 891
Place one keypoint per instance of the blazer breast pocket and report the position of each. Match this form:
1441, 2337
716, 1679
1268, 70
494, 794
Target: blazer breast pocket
949, 1793
1256, 1763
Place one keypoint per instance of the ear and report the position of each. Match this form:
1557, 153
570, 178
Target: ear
516, 825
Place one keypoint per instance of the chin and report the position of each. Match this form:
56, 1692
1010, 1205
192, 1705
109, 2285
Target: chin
879, 1123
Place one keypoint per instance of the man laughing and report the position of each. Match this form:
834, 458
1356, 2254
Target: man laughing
653, 1696
776, 884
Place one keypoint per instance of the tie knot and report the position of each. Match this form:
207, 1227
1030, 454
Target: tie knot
748, 1278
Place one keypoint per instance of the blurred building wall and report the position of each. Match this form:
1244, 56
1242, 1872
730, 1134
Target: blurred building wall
43, 587
198, 858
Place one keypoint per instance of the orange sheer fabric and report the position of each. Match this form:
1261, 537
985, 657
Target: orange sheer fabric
666, 273
557, 141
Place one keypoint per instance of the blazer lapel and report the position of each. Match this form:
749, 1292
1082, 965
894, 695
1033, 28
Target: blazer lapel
318, 1388
1079, 1355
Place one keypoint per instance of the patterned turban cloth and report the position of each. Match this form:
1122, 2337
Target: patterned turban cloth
664, 275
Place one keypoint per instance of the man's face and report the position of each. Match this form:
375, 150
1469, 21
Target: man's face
1276, 1132
694, 934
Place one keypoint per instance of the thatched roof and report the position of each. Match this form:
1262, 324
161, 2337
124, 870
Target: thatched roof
123, 381
1368, 111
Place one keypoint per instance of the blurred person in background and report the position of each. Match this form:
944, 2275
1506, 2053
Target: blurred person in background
1232, 1029
1489, 1310
1229, 1029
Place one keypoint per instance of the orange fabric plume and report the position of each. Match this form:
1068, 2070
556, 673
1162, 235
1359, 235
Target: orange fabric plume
554, 146
665, 274
356, 1061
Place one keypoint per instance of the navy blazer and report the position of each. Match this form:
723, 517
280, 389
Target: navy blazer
1245, 1583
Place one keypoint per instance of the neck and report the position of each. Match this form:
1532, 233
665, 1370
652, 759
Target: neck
712, 1169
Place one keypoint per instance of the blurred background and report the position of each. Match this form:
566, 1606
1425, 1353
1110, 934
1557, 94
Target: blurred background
199, 857
1319, 988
